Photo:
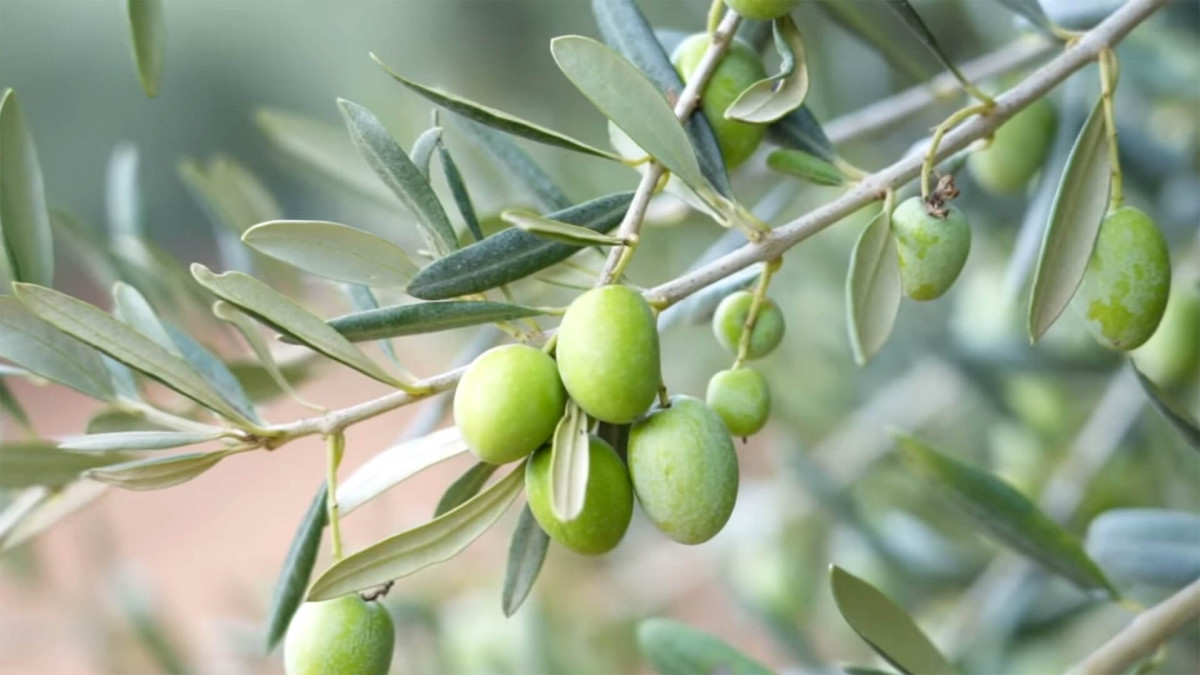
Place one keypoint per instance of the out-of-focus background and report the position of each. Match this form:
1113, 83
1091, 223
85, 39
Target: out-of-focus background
180, 579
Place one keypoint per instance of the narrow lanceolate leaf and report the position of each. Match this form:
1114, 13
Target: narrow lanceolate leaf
434, 542
39, 347
215, 373
364, 300
517, 166
138, 440
917, 25
1171, 410
279, 312
122, 197
333, 251
1032, 11
512, 254
24, 219
157, 473
497, 119
423, 147
132, 307
458, 188
426, 317
297, 569
675, 648
556, 230
883, 625
249, 374
872, 289
397, 464
806, 166
1075, 219
28, 463
465, 487
569, 464
38, 508
631, 101
148, 30
1006, 514
526, 553
397, 171
800, 130
768, 100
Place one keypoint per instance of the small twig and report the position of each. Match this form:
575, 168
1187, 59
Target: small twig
1108, 86
1146, 633
756, 304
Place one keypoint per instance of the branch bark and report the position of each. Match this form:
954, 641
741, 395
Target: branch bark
1146, 633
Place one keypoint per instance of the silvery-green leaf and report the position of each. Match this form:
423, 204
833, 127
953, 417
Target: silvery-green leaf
873, 288
297, 569
138, 440
148, 30
556, 230
1145, 524
427, 317
277, 380
917, 25
122, 198
215, 373
131, 307
1075, 219
675, 648
333, 250
804, 165
40, 348
458, 188
413, 550
768, 100
569, 463
397, 464
385, 156
364, 300
422, 150
800, 130
122, 378
465, 487
1156, 547
526, 553
1032, 11
113, 420
38, 462
11, 406
516, 165
1171, 410
38, 508
24, 219
157, 473
883, 625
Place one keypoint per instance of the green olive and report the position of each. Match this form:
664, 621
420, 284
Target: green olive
1124, 290
508, 403
684, 470
730, 320
741, 399
607, 505
342, 636
932, 250
762, 10
1017, 150
1172, 355
608, 353
740, 68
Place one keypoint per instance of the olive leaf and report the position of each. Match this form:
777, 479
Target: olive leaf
516, 165
333, 251
1171, 410
38, 508
873, 288
675, 648
40, 348
24, 220
413, 550
526, 553
132, 307
364, 300
556, 230
800, 130
112, 420
139, 440
1156, 547
148, 31
423, 147
267, 364
806, 166
157, 473
458, 188
215, 373
10, 405
426, 317
768, 100
122, 197
1075, 219
397, 464
297, 569
569, 462
889, 630
37, 462
872, 24
1032, 11
916, 24
464, 487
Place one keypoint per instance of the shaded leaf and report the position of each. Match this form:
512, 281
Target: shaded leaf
131, 307
917, 25
397, 464
24, 219
10, 405
39, 347
297, 569
422, 150
873, 288
458, 188
38, 462
526, 553
426, 317
148, 30
803, 165
768, 100
333, 250
215, 373
1171, 410
38, 508
517, 165
872, 24
675, 648
465, 487
159, 472
1032, 11
555, 230
1157, 547
139, 440
800, 130
569, 463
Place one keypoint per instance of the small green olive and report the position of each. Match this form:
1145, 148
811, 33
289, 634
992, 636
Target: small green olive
740, 68
1017, 150
684, 469
608, 353
508, 403
762, 10
730, 320
932, 250
741, 399
607, 505
1172, 355
1124, 290
342, 636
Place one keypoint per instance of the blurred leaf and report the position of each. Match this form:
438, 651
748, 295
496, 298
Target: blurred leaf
29, 463
884, 626
512, 254
149, 33
159, 472
458, 188
1145, 524
148, 626
555, 230
800, 130
396, 465
1075, 219
569, 461
517, 165
999, 509
675, 648
39, 347
10, 405
24, 219
297, 569
131, 307
233, 196
122, 197
526, 553
1156, 547
426, 317
122, 378
917, 25
1171, 410
410, 551
873, 288
871, 26
1032, 11
464, 487
38, 508
422, 150
803, 165
397, 171
215, 373
333, 251
138, 440
859, 669
768, 100
249, 375
113, 420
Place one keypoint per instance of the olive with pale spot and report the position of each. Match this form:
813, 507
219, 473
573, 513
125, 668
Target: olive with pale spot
932, 249
607, 504
345, 636
741, 398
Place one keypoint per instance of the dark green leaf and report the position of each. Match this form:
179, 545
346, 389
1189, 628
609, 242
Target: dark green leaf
37, 462
768, 100
426, 317
675, 648
465, 487
1172, 411
554, 230
214, 372
517, 165
157, 473
139, 440
800, 130
24, 220
39, 347
803, 165
458, 188
149, 33
873, 288
526, 553
422, 150
1032, 11
917, 25
297, 569
333, 251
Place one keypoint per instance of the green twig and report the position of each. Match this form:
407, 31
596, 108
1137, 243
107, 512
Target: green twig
335, 447
1108, 84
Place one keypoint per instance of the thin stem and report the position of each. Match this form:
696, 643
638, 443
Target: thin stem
1148, 631
170, 420
334, 448
1108, 85
760, 296
931, 157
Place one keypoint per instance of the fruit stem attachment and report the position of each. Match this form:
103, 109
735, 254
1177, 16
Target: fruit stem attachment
1109, 71
760, 295
335, 446
936, 142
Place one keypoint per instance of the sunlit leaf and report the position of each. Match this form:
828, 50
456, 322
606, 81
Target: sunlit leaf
555, 230
806, 166
517, 166
149, 33
465, 487
397, 464
297, 569
426, 317
139, 440
526, 553
768, 100
157, 473
333, 250
29, 463
873, 288
569, 464
24, 219
1171, 410
423, 147
675, 648
39, 347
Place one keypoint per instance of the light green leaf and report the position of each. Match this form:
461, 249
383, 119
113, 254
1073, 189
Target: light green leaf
148, 30
39, 347
769, 100
1171, 410
413, 550
873, 288
396, 465
132, 307
516, 165
556, 230
297, 569
422, 151
265, 379
159, 472
29, 463
465, 487
569, 463
804, 165
38, 508
526, 553
426, 317
214, 372
139, 440
1075, 219
884, 626
333, 251
675, 648
24, 219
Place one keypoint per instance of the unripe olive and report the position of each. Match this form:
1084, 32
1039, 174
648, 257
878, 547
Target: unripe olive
762, 10
344, 636
932, 250
508, 403
1172, 355
608, 353
1124, 290
729, 321
738, 69
1017, 150
684, 470
741, 399
607, 505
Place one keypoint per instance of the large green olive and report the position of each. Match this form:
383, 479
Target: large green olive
762, 10
608, 353
729, 321
741, 399
607, 504
342, 636
932, 250
508, 403
1172, 355
1017, 150
1124, 290
740, 68
684, 470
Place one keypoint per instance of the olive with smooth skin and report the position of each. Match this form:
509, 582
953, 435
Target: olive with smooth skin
741, 398
729, 323
343, 636
1172, 355
762, 10
1017, 150
738, 69
607, 504
932, 250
